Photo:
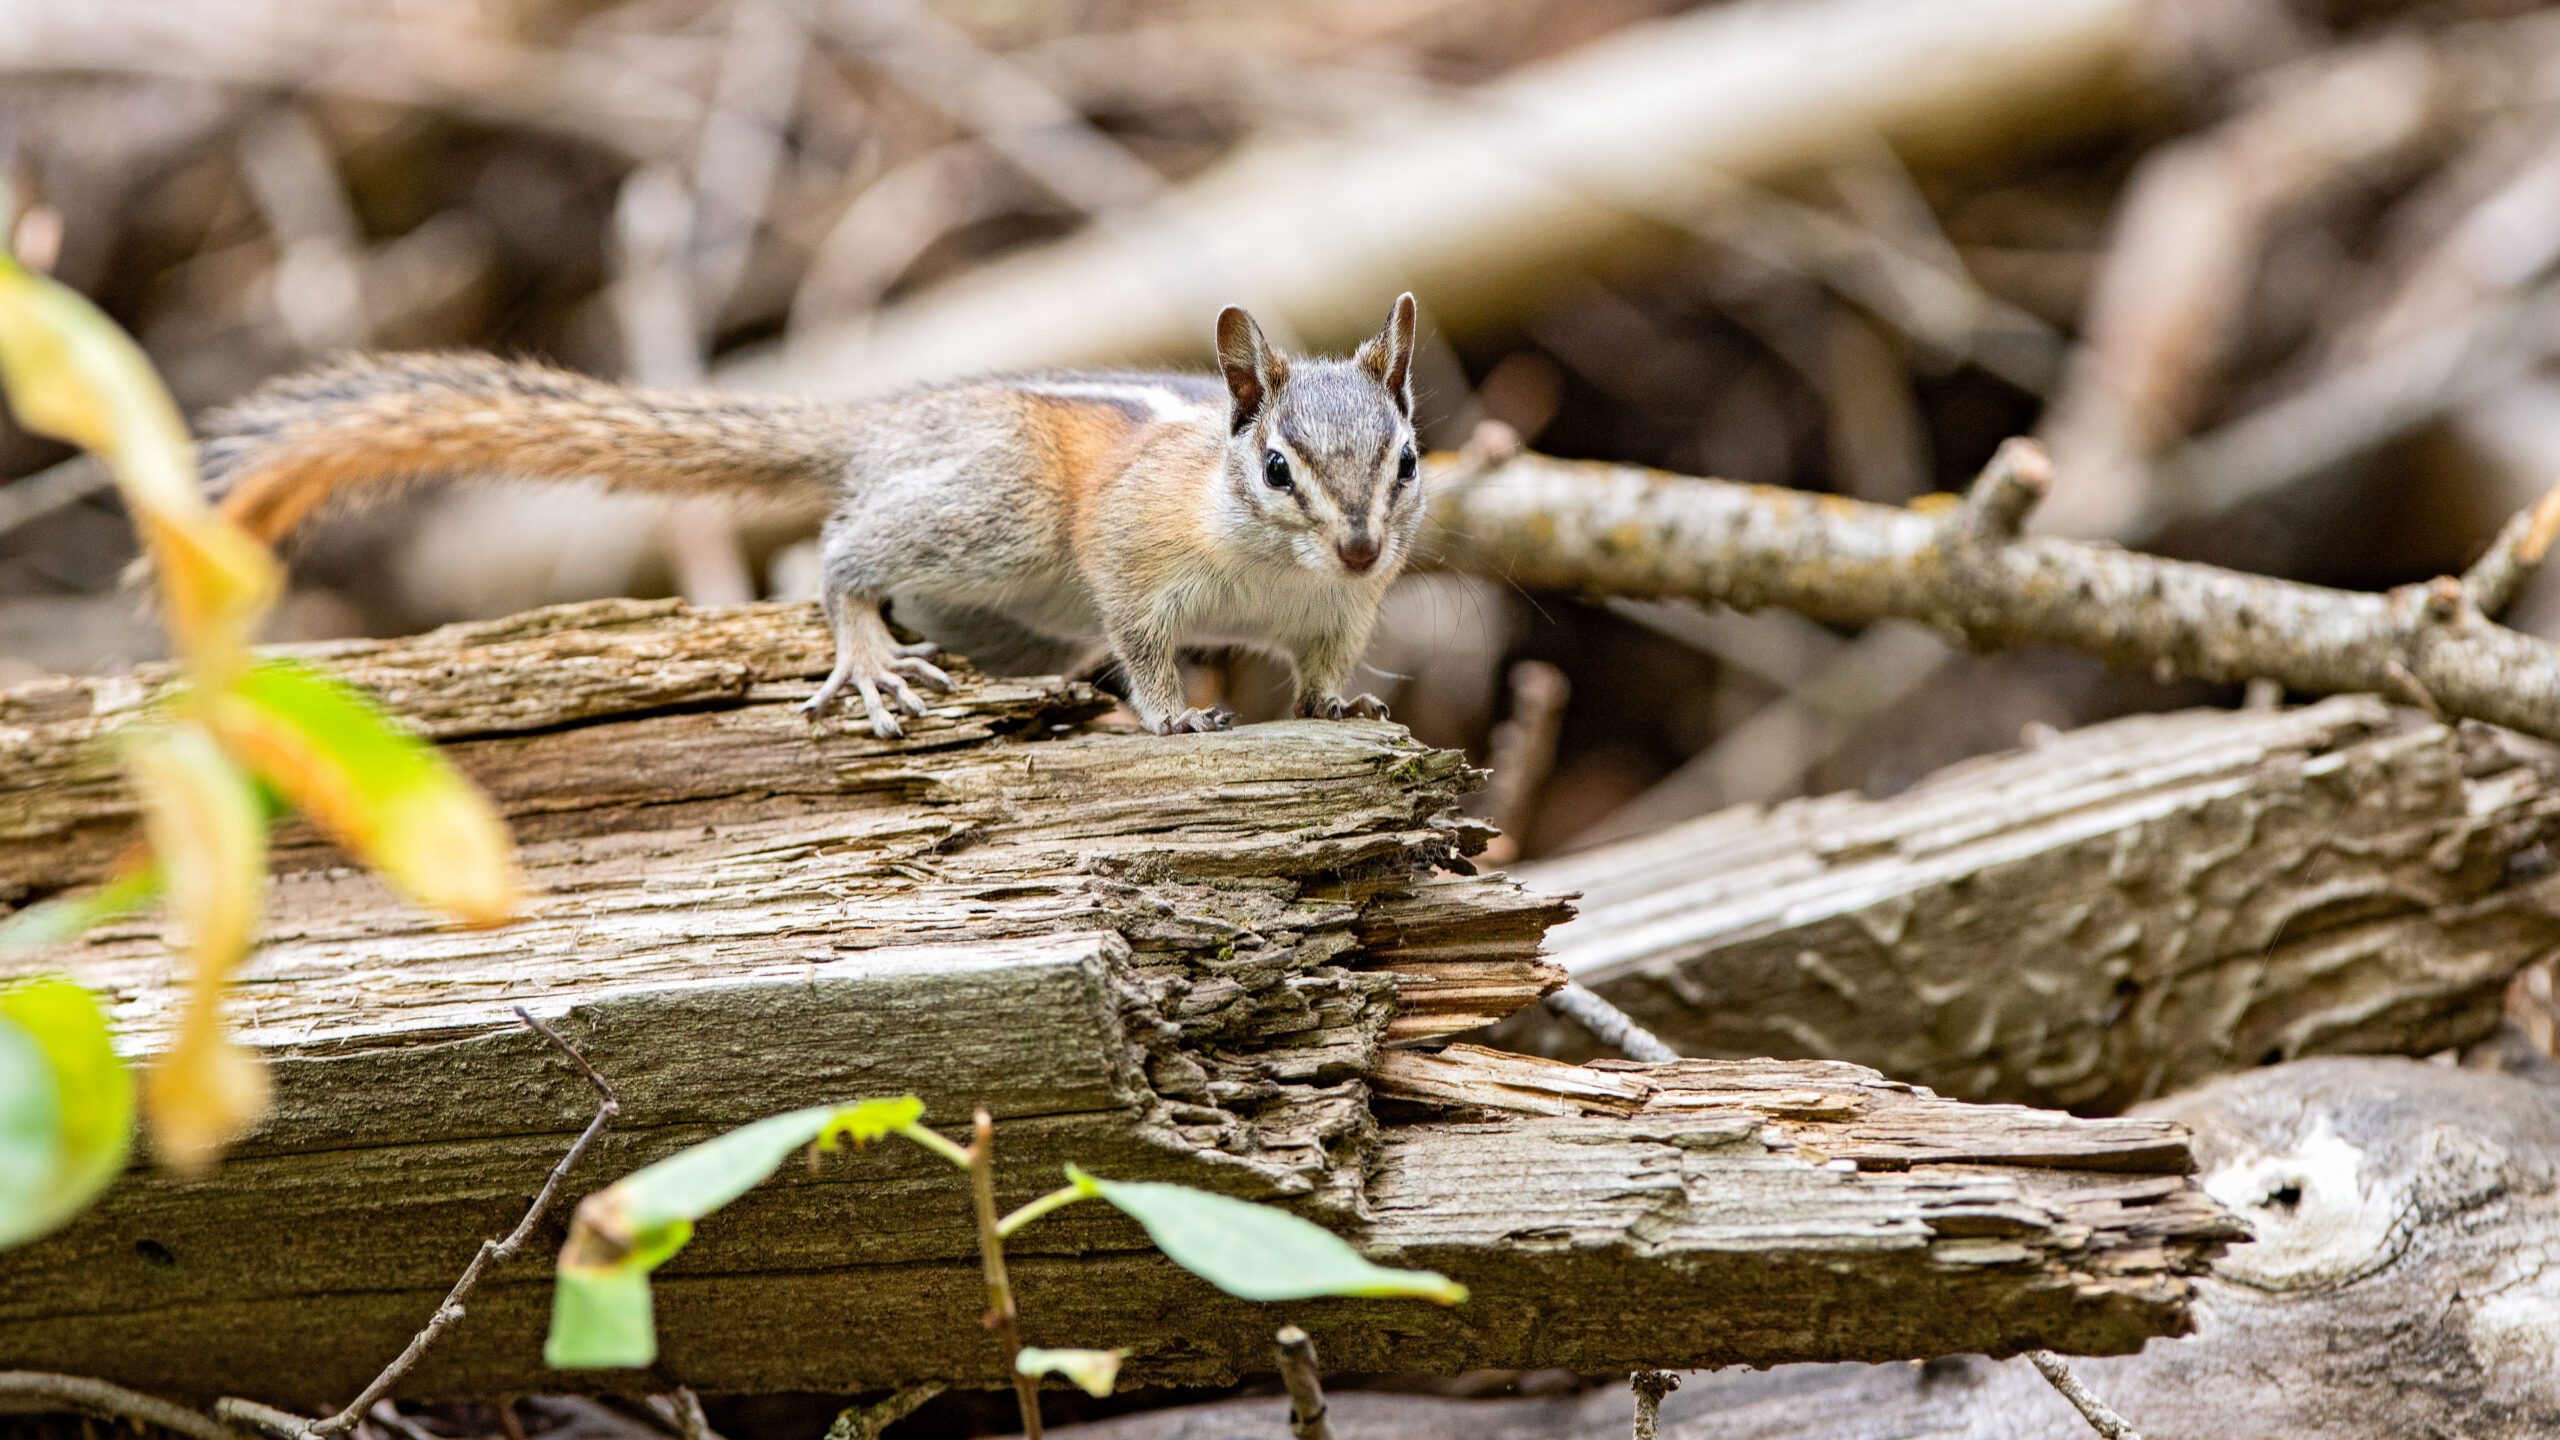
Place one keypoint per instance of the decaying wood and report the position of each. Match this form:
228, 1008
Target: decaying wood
2117, 913
1474, 201
2400, 1284
1829, 1213
1623, 530
1190, 958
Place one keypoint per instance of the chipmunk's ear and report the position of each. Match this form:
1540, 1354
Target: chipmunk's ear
1254, 370
1388, 355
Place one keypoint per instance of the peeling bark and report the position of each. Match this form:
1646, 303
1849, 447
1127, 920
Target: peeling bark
2117, 913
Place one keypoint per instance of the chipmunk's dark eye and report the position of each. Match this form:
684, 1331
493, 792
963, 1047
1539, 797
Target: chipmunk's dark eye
1406, 465
1275, 470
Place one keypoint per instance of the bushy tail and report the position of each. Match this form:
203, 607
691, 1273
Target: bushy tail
364, 425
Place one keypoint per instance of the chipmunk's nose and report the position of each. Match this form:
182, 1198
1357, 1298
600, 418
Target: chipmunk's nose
1359, 551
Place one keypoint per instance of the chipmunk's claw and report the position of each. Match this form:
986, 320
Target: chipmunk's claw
1195, 721
883, 694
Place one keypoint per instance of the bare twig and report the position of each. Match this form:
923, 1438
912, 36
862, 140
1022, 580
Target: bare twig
2188, 238
264, 1419
1650, 1386
866, 1422
2017, 479
1622, 530
2494, 580
1298, 1371
682, 1413
1521, 754
65, 483
1001, 1317
24, 1392
492, 1253
2092, 1409
1012, 110
2357, 406
1609, 1025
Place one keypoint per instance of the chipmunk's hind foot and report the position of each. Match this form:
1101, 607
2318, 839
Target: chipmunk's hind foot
878, 668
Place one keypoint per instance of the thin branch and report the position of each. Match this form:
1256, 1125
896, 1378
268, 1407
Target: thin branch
65, 482
2499, 575
1522, 754
1001, 1317
265, 1419
1609, 1025
2092, 1409
492, 1253
24, 1392
866, 1423
2014, 483
682, 1413
1298, 1371
2354, 408
1621, 530
1650, 1386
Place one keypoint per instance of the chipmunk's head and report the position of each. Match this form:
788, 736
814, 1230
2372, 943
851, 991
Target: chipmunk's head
1321, 452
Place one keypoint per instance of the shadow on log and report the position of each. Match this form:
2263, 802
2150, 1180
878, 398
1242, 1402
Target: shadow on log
1203, 958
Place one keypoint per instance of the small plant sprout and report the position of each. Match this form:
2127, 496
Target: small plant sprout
601, 1315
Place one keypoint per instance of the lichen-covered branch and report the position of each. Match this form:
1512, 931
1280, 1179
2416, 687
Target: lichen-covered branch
1622, 530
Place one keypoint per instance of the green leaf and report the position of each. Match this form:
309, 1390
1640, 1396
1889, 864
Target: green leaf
30, 1134
601, 1319
601, 1314
1255, 1252
1092, 1371
694, 1182
87, 1094
390, 798
67, 917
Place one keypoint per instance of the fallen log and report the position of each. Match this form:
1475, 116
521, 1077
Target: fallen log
2114, 914
1206, 959
2398, 1285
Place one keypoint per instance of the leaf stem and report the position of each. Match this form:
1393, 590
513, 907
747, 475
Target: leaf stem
935, 1141
1002, 1318
1057, 1199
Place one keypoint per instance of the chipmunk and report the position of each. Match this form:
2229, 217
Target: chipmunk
1140, 509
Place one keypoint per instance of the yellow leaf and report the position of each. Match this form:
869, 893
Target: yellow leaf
216, 583
209, 836
387, 796
71, 374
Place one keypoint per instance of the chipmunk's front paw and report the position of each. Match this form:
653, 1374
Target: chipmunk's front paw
1197, 721
1334, 707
